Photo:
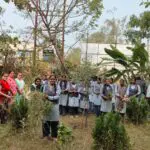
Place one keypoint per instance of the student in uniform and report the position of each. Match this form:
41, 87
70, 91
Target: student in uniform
91, 99
120, 91
37, 85
97, 97
133, 89
83, 97
64, 85
113, 97
106, 94
51, 121
148, 94
73, 98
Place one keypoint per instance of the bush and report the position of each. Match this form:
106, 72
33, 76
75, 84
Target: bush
137, 110
64, 134
110, 134
19, 113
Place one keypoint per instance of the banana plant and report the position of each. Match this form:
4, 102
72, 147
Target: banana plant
137, 63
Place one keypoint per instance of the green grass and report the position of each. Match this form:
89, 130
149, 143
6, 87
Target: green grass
30, 139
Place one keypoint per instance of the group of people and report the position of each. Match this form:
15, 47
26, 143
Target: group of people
10, 87
99, 96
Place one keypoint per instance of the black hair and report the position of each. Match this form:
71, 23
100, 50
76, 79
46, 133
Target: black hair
4, 73
37, 79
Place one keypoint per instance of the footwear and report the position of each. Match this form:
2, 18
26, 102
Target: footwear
55, 139
49, 138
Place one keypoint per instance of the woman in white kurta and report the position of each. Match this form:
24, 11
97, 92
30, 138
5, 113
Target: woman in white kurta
91, 92
97, 97
133, 89
64, 85
148, 94
106, 94
73, 98
83, 96
120, 104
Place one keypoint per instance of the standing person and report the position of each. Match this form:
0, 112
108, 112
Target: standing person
51, 121
142, 84
20, 83
73, 98
133, 89
5, 98
91, 98
97, 97
64, 85
44, 79
13, 85
37, 85
113, 96
83, 97
148, 94
120, 91
106, 94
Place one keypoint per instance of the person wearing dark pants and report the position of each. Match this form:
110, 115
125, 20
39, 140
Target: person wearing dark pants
51, 120
50, 128
97, 97
97, 110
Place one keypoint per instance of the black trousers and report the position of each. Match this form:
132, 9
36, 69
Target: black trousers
50, 128
3, 113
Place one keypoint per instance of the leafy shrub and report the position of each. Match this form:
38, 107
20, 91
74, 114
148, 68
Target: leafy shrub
110, 134
19, 113
64, 134
39, 104
137, 110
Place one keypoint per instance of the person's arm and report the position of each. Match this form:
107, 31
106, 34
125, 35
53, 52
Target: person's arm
56, 97
139, 90
148, 92
127, 92
117, 91
5, 95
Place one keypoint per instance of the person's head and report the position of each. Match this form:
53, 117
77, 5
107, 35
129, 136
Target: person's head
98, 80
19, 75
111, 80
52, 79
44, 77
121, 82
11, 74
4, 75
133, 80
107, 81
95, 78
63, 78
37, 81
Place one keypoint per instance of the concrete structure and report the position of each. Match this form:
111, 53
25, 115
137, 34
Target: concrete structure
96, 53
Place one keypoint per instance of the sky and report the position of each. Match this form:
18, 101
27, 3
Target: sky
123, 8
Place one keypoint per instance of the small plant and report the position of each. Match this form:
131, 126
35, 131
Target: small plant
137, 110
110, 134
64, 134
39, 104
19, 113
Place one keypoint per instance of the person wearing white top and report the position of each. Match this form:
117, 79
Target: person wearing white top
106, 94
97, 97
64, 85
91, 98
133, 89
73, 98
120, 91
148, 94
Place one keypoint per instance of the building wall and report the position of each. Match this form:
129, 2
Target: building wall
96, 53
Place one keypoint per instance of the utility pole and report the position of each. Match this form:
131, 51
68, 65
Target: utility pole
63, 31
35, 35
